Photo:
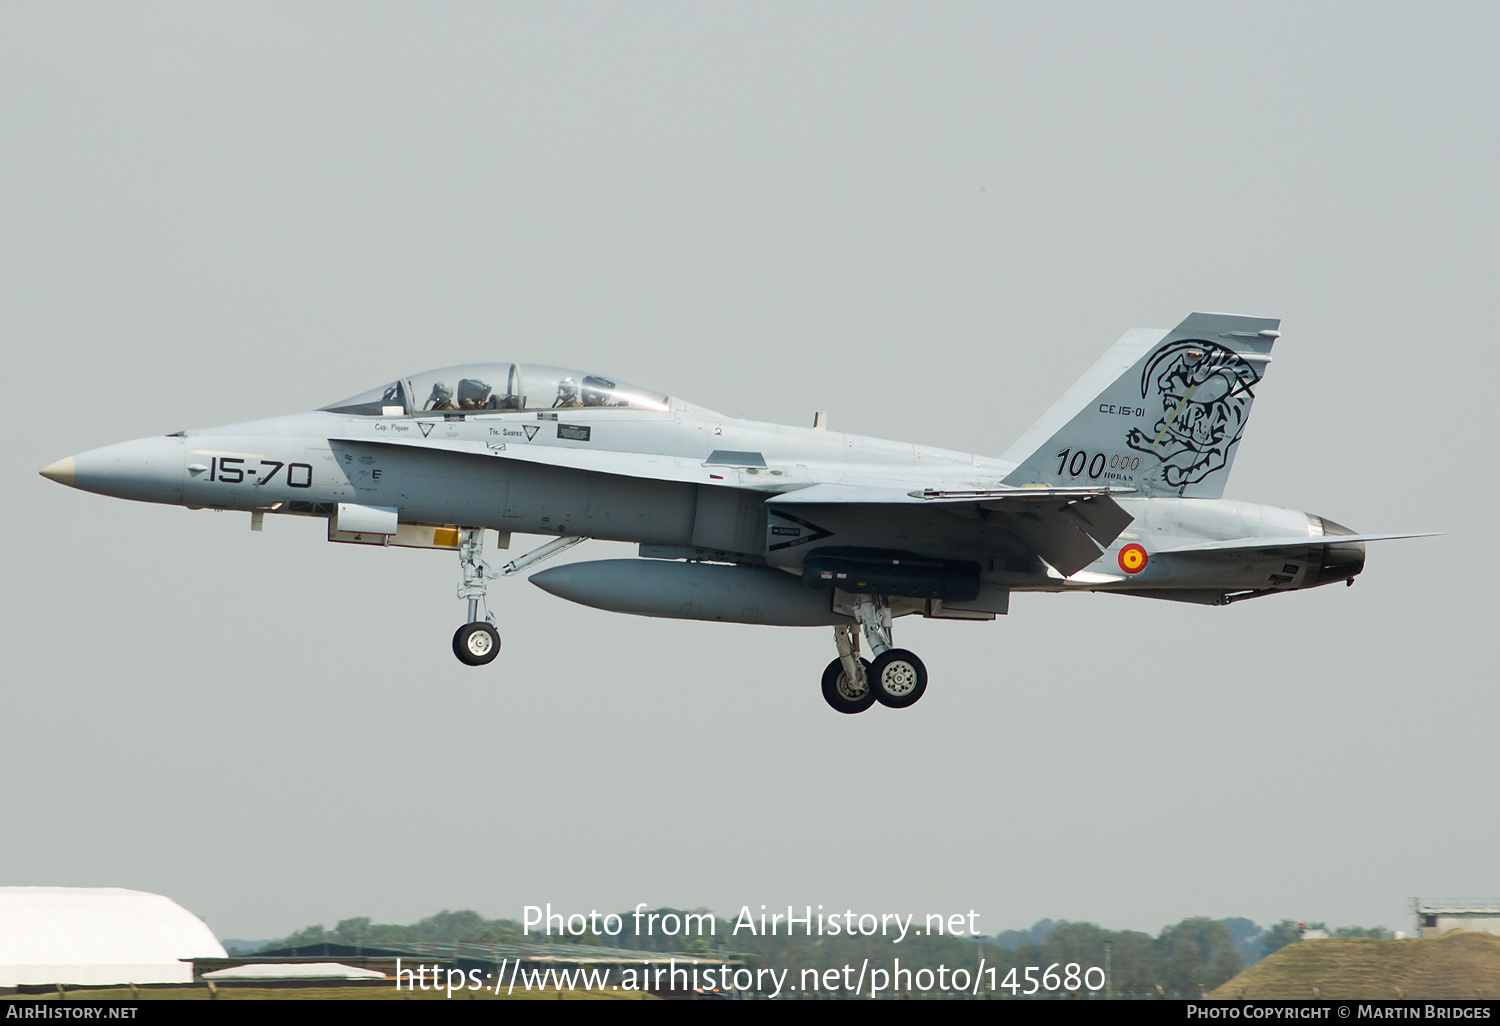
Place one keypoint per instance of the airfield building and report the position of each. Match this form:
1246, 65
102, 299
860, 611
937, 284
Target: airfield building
97, 936
1435, 918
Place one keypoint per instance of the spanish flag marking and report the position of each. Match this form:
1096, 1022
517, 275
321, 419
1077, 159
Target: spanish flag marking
1132, 558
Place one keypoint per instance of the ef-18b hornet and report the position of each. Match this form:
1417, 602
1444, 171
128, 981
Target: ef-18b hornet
1116, 489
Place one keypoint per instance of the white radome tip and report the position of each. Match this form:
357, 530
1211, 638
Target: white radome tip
61, 471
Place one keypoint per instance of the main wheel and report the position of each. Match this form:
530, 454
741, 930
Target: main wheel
842, 693
476, 644
897, 678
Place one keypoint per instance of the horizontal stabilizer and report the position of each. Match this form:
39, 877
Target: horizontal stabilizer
1101, 518
1289, 543
1057, 539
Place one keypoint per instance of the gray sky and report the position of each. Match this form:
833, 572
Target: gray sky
926, 219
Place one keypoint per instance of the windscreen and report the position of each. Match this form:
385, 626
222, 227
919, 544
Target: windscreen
385, 401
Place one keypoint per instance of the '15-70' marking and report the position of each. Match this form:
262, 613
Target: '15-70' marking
231, 470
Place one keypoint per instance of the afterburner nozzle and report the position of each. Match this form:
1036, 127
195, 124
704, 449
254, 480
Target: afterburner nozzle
1342, 561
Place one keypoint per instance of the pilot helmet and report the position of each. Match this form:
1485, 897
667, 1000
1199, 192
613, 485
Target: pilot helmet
566, 389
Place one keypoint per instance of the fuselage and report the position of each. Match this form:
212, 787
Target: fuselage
681, 480
1116, 488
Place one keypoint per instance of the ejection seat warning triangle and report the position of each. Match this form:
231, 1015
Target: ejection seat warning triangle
531, 430
426, 427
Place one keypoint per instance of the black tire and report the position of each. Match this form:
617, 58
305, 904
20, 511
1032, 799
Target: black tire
838, 693
897, 678
476, 644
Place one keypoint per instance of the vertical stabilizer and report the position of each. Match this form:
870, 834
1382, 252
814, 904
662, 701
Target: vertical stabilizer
1160, 413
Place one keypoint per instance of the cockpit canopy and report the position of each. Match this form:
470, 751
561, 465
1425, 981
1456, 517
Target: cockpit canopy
497, 387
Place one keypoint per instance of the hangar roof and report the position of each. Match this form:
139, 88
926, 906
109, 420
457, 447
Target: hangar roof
97, 935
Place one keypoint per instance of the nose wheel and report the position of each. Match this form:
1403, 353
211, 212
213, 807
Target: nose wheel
476, 644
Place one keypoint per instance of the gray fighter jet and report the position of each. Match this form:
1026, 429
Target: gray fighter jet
1116, 489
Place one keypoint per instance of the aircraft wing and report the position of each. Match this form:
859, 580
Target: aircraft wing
1270, 544
1067, 527
829, 494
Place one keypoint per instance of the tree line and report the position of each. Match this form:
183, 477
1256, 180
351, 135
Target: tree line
1188, 958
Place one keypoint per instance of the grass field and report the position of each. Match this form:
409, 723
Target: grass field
1455, 965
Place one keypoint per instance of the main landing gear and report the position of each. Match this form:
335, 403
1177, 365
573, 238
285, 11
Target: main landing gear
477, 642
895, 679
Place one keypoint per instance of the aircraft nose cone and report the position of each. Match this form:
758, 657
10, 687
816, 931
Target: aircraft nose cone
147, 469
61, 471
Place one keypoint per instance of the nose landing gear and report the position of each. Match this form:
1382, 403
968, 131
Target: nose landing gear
477, 642
896, 679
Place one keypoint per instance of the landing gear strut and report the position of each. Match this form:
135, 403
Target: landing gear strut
895, 679
477, 642
846, 682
